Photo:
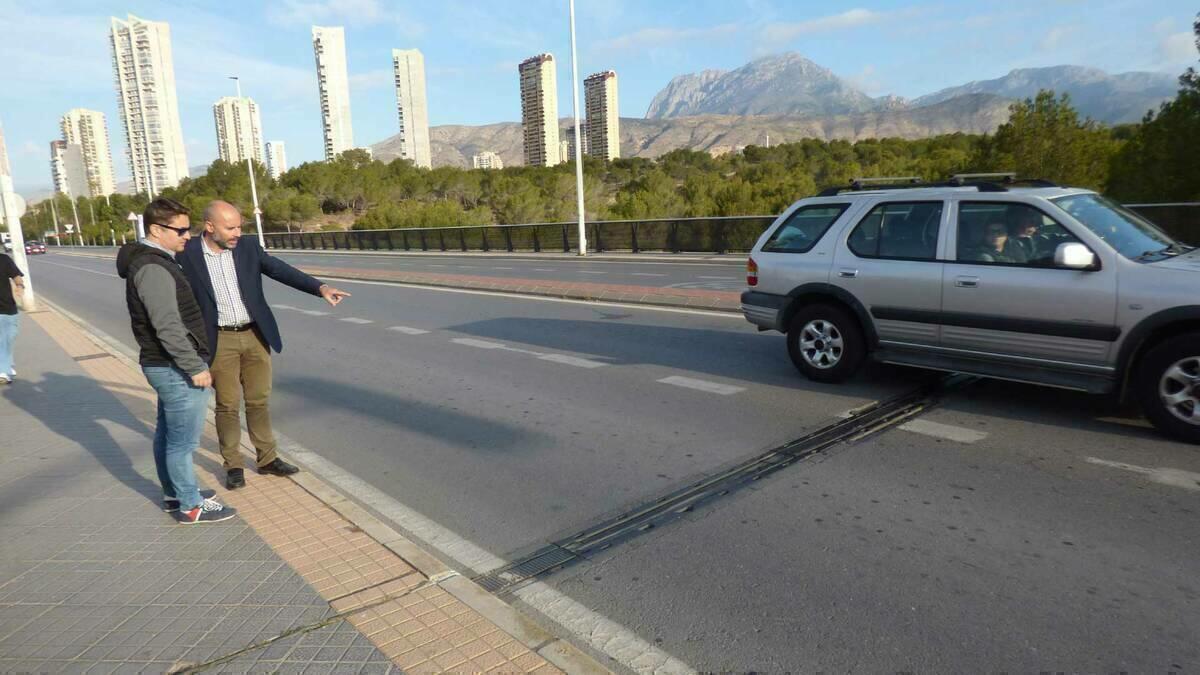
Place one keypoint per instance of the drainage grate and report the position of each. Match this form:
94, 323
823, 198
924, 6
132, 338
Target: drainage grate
674, 505
531, 566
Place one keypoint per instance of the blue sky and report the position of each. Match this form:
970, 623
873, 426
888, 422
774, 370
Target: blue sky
55, 54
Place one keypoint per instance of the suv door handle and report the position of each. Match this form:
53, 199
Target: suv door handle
847, 273
966, 282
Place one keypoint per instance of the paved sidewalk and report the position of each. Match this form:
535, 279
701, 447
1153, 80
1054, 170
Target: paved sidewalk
95, 577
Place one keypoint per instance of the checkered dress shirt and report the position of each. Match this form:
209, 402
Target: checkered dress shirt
231, 311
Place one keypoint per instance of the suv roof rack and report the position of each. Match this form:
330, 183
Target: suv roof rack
979, 181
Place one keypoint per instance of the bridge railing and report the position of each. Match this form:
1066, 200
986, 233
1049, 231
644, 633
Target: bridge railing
735, 234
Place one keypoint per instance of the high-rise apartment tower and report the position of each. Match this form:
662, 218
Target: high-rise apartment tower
145, 79
276, 159
539, 110
603, 119
333, 84
89, 130
408, 66
239, 129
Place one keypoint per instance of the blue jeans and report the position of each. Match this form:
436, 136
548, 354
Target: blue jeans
181, 410
8, 335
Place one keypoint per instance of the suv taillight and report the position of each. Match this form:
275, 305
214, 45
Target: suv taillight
751, 272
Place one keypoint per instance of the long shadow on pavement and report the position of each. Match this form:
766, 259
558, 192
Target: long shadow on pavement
74, 407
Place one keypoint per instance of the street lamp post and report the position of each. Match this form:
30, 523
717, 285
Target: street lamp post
578, 142
250, 169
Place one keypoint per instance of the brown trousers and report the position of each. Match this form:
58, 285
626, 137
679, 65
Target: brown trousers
242, 369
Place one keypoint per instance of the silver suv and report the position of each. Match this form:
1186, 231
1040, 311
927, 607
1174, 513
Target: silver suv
1019, 281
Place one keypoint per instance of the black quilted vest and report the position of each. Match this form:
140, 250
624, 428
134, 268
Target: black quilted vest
152, 351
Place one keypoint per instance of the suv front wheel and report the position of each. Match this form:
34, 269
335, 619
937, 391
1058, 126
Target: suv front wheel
825, 343
1169, 386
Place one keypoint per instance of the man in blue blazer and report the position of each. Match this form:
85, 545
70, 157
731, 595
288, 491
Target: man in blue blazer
225, 273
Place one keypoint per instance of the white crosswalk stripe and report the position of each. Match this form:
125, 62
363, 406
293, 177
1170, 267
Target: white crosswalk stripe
702, 385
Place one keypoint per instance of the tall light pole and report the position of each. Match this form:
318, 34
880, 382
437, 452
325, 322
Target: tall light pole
250, 168
578, 142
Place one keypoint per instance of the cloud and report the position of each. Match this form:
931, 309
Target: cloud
339, 12
853, 18
373, 79
1178, 48
657, 37
31, 149
1056, 37
867, 81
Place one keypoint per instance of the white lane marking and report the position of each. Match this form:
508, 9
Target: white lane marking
502, 268
408, 331
289, 307
582, 623
722, 278
543, 269
572, 360
435, 265
472, 342
591, 272
81, 269
539, 298
585, 625
646, 274
702, 385
354, 319
1188, 480
314, 312
948, 432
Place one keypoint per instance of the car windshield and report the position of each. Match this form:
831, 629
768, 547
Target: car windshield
1131, 234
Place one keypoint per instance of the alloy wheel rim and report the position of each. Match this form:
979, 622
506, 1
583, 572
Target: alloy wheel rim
821, 344
1179, 390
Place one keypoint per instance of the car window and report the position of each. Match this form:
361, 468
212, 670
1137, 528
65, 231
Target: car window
804, 228
903, 230
1008, 234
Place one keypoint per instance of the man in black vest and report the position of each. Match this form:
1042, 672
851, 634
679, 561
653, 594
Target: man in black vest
169, 330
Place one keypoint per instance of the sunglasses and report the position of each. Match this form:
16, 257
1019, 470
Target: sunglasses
181, 231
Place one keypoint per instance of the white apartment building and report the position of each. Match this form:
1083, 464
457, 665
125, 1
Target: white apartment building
487, 160
603, 127
276, 159
89, 130
408, 65
333, 84
239, 129
67, 168
145, 77
539, 110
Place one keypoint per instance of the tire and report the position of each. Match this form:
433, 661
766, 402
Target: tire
826, 343
1168, 387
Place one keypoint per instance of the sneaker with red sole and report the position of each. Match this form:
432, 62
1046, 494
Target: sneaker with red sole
209, 511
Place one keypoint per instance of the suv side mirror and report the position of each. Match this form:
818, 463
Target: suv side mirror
1074, 256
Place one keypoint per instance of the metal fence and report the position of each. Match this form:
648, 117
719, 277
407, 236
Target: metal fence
669, 235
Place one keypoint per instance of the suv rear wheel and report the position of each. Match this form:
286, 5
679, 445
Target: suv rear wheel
825, 343
1169, 386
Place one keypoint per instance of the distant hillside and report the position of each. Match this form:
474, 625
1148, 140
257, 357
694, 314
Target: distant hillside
975, 114
1124, 97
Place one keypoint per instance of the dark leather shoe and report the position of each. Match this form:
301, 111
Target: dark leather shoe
236, 478
278, 467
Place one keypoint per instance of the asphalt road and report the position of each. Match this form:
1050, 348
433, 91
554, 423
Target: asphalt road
656, 270
1010, 528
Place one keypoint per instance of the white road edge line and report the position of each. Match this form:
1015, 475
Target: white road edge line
539, 298
702, 385
408, 331
354, 319
646, 274
1188, 480
585, 625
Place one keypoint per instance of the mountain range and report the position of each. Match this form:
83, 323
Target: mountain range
790, 97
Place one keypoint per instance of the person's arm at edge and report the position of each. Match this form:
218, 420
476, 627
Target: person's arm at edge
286, 274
